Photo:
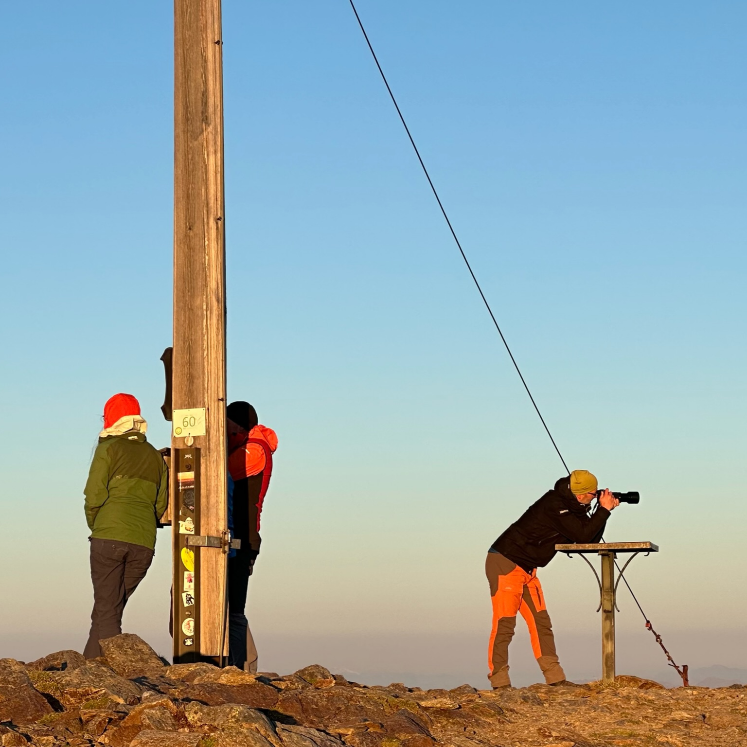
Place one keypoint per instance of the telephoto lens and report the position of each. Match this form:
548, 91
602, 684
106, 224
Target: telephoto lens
632, 497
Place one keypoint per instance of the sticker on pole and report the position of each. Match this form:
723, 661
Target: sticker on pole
187, 526
188, 558
189, 581
188, 599
188, 626
189, 422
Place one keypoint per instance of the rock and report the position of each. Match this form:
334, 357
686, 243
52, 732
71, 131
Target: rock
226, 676
628, 680
336, 706
19, 700
257, 695
300, 736
130, 656
13, 739
60, 661
233, 737
165, 739
316, 675
189, 672
725, 719
156, 714
90, 686
229, 717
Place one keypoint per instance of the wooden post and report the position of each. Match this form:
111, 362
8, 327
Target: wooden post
608, 616
199, 363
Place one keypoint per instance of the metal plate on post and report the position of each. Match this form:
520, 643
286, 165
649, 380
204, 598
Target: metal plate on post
189, 422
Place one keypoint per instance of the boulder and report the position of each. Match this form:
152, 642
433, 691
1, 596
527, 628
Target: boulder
257, 695
226, 676
90, 686
13, 739
153, 738
130, 656
239, 738
60, 661
301, 736
316, 675
19, 700
333, 707
231, 716
189, 672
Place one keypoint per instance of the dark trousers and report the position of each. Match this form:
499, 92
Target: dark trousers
116, 570
242, 652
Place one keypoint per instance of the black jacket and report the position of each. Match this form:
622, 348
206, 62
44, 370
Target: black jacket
556, 518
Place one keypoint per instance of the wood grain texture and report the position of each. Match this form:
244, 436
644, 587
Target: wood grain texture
608, 617
199, 275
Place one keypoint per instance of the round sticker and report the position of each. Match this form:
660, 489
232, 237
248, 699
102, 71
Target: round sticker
188, 558
188, 626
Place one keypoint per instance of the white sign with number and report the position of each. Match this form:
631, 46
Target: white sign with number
189, 422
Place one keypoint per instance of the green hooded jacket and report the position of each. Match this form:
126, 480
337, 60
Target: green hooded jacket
127, 490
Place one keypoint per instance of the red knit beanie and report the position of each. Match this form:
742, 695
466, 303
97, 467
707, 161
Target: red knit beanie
119, 406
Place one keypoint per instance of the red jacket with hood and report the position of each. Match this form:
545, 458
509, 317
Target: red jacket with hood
250, 465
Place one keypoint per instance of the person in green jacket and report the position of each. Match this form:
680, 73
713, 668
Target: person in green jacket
126, 494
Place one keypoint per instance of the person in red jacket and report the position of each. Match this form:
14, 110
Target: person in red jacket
250, 450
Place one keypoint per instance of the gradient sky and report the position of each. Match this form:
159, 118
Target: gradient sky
592, 158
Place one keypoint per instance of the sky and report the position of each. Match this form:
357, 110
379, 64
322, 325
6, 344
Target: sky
592, 159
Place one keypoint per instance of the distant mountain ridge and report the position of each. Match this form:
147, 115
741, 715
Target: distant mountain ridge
716, 675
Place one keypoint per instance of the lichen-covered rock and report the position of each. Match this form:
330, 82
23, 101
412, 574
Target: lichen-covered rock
257, 695
231, 716
316, 675
20, 702
90, 686
13, 739
60, 661
232, 737
226, 676
130, 656
200, 705
301, 736
341, 706
189, 672
165, 739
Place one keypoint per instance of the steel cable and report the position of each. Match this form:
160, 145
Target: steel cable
453, 233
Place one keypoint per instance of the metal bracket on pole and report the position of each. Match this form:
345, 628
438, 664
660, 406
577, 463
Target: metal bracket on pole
204, 540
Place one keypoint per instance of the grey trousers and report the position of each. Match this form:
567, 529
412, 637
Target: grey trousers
116, 570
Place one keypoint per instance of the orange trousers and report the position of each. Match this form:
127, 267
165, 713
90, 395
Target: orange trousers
514, 590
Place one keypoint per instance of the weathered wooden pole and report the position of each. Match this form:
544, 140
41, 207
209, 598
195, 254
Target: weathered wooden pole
199, 358
608, 616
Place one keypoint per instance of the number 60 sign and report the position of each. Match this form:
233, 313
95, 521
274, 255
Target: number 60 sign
189, 422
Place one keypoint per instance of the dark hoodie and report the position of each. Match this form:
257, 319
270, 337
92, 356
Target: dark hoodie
556, 518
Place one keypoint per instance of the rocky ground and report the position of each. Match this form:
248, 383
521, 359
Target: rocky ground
129, 697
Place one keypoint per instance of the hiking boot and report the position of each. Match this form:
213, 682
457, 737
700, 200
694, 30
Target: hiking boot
564, 683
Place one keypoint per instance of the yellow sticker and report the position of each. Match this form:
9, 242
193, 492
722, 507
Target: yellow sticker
188, 558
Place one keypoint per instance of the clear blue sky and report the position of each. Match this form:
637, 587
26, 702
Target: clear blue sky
593, 161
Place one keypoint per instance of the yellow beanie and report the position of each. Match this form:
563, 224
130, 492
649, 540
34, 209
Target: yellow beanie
582, 481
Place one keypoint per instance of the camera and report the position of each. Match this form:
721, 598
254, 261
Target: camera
632, 497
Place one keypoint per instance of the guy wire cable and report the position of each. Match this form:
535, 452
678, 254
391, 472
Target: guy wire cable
487, 306
453, 233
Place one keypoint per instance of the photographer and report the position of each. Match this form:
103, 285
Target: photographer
560, 516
